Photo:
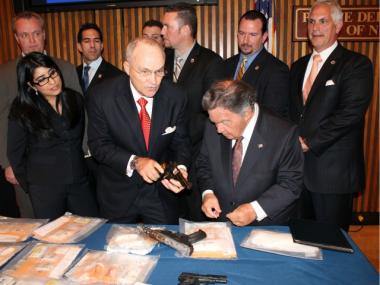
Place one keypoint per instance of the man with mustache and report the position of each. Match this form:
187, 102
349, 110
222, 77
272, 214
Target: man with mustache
136, 122
254, 65
330, 93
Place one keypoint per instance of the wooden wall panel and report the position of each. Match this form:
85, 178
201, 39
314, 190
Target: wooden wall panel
217, 27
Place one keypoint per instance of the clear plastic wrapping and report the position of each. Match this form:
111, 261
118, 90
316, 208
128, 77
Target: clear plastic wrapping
218, 244
128, 240
68, 229
18, 230
42, 260
279, 243
102, 267
8, 280
8, 250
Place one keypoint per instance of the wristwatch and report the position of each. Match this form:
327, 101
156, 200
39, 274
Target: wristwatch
133, 162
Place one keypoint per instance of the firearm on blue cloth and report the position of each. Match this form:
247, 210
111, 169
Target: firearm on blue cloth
187, 278
181, 242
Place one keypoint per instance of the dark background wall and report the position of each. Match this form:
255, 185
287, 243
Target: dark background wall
217, 30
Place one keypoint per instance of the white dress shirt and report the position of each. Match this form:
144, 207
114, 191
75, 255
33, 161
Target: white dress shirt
324, 56
94, 65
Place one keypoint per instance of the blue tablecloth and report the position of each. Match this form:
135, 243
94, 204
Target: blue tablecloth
255, 267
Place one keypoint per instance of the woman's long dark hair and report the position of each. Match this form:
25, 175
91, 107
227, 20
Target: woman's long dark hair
31, 110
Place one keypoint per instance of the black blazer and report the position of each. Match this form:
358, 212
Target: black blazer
105, 70
201, 69
269, 76
44, 161
332, 121
271, 172
114, 133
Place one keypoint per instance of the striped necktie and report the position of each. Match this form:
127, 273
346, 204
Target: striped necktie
242, 68
237, 155
177, 69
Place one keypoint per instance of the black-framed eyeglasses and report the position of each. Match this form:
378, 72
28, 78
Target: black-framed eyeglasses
44, 80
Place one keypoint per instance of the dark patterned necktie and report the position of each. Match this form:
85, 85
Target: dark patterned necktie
86, 79
237, 155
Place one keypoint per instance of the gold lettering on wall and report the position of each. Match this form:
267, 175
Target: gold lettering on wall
359, 23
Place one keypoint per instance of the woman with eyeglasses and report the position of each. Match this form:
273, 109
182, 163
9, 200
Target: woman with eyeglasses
45, 132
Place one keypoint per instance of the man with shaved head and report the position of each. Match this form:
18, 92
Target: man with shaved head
140, 124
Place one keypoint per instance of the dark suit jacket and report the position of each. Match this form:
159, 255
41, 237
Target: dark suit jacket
201, 69
8, 91
48, 161
271, 172
332, 121
105, 70
115, 134
269, 76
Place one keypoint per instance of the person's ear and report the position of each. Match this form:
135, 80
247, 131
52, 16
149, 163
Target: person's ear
126, 66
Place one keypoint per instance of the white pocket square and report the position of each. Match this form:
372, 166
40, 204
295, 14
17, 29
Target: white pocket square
329, 83
169, 130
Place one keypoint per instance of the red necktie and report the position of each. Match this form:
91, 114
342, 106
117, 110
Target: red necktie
237, 155
145, 120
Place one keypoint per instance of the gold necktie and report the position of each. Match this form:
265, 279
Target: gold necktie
242, 68
313, 74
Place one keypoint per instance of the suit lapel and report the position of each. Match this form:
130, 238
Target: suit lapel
98, 75
158, 117
189, 64
127, 104
325, 73
255, 67
226, 155
299, 82
169, 62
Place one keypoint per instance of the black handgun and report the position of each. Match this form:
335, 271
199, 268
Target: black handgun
181, 242
188, 278
171, 171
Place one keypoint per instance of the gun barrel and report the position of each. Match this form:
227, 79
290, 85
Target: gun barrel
202, 278
182, 248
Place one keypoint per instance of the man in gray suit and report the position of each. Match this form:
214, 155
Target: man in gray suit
29, 32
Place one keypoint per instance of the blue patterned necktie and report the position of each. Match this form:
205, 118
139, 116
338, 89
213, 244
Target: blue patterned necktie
86, 80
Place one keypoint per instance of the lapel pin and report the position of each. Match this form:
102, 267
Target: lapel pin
333, 62
192, 60
260, 145
257, 67
100, 76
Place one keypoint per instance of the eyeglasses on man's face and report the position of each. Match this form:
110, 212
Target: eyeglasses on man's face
41, 81
146, 73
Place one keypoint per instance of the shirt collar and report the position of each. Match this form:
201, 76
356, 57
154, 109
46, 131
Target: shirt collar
248, 131
185, 55
325, 53
94, 64
136, 94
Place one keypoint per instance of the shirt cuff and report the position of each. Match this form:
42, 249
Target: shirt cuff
129, 170
206, 192
260, 213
